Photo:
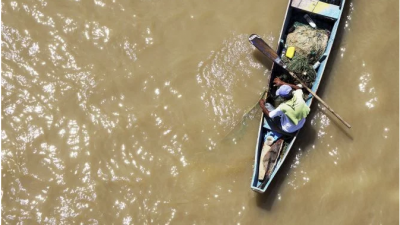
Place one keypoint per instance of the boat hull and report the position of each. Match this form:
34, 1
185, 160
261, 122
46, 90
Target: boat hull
294, 13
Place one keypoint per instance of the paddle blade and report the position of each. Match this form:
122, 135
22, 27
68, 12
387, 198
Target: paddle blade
264, 48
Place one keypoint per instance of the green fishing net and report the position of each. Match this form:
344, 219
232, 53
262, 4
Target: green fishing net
310, 45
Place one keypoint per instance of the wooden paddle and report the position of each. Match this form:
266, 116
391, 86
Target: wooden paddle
261, 45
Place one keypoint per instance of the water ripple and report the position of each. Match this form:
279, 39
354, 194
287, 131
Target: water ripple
224, 72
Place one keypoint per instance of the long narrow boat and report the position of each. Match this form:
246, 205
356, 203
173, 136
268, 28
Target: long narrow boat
326, 15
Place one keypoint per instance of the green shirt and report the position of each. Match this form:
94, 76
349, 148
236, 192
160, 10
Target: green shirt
295, 108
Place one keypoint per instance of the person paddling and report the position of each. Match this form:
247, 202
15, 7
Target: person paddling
290, 115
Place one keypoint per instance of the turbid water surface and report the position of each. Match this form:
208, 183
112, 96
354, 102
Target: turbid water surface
120, 112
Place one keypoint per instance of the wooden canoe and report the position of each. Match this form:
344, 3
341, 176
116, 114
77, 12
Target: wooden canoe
326, 15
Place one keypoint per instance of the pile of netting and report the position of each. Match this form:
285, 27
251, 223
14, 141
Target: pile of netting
310, 45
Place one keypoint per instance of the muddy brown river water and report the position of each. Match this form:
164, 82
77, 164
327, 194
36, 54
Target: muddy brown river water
118, 112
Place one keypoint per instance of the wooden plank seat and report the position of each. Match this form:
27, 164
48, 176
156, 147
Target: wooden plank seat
317, 7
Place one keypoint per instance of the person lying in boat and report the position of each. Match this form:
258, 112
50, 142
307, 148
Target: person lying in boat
291, 114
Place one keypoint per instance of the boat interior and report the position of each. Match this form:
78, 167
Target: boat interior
325, 14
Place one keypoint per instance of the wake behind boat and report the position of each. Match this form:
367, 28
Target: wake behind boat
305, 44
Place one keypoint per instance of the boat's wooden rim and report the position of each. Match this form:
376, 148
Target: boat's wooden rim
309, 100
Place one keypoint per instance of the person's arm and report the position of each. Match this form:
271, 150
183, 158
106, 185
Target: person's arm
264, 109
279, 83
